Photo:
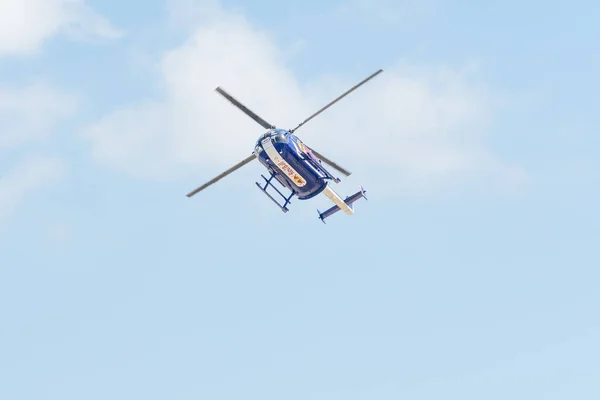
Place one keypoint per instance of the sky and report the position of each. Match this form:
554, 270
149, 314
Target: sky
471, 272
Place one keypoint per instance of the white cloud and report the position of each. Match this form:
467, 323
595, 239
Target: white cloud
192, 122
29, 176
29, 113
420, 122
26, 24
28, 116
187, 14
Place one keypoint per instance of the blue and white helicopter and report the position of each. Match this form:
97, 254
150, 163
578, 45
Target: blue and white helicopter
295, 166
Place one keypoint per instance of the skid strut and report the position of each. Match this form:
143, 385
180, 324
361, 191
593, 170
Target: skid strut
269, 184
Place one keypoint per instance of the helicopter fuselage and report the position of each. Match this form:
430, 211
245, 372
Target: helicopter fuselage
292, 163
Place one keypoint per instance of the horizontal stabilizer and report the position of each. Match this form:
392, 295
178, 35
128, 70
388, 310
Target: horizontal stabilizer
347, 205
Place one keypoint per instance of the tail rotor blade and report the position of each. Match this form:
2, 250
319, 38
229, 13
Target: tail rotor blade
338, 99
224, 174
245, 109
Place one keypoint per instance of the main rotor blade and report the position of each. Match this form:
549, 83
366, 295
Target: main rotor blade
245, 109
224, 174
337, 99
328, 161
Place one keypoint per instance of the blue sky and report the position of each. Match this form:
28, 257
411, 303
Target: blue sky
470, 273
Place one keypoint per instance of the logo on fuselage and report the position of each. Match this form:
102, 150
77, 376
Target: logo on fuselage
302, 146
289, 171
282, 164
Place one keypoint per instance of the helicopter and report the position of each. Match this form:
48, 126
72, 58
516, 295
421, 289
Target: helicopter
295, 166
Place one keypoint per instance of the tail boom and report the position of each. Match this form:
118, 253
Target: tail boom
341, 204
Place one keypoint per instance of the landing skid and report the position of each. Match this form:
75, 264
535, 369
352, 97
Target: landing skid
269, 184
